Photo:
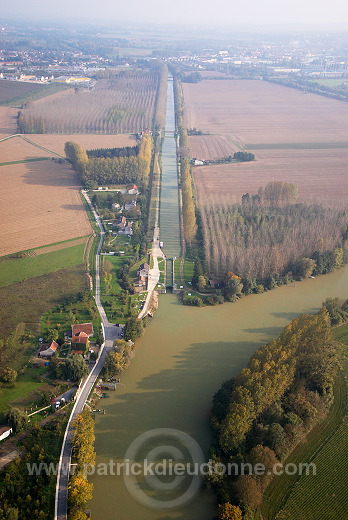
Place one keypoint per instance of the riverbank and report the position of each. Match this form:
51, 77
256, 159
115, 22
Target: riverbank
178, 366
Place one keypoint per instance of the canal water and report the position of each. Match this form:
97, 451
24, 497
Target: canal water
179, 364
169, 205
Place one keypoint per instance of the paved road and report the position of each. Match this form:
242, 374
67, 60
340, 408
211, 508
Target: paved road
111, 332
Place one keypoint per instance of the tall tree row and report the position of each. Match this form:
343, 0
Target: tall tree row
161, 100
188, 205
258, 241
111, 170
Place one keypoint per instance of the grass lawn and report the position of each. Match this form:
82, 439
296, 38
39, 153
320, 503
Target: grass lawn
60, 318
25, 385
188, 271
133, 270
177, 273
325, 494
14, 270
112, 296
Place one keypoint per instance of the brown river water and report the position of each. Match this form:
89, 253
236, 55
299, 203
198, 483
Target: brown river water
179, 363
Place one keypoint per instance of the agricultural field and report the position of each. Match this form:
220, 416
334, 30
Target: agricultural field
120, 105
254, 111
8, 122
17, 149
211, 147
295, 137
14, 270
43, 206
14, 89
56, 143
321, 175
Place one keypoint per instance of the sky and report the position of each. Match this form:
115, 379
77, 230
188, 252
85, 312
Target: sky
213, 12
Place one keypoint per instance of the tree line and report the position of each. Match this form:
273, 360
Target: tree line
80, 490
111, 170
259, 416
126, 151
188, 205
161, 99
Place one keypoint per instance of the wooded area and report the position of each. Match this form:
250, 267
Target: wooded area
267, 235
260, 416
188, 205
111, 170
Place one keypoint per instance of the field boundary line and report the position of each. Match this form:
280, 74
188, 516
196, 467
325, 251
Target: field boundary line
39, 146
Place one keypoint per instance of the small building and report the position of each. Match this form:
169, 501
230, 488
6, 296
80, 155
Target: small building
143, 270
48, 349
120, 223
130, 205
197, 162
126, 231
5, 431
80, 333
132, 189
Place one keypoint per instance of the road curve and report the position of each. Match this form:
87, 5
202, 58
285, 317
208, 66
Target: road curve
110, 333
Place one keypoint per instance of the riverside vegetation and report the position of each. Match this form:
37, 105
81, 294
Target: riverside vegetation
262, 414
268, 240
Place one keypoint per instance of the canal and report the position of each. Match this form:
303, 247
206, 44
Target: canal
169, 201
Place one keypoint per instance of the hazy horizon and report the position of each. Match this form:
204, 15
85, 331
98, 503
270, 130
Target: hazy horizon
221, 13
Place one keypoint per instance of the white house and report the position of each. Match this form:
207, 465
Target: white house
132, 189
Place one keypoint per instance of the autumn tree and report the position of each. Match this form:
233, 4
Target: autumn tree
80, 492
228, 511
8, 375
77, 156
267, 458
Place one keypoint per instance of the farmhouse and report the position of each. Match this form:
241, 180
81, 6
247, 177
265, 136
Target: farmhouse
48, 349
81, 333
5, 431
132, 189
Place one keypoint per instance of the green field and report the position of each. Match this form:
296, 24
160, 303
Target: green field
330, 82
27, 301
188, 271
14, 270
26, 384
37, 91
26, 161
324, 495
